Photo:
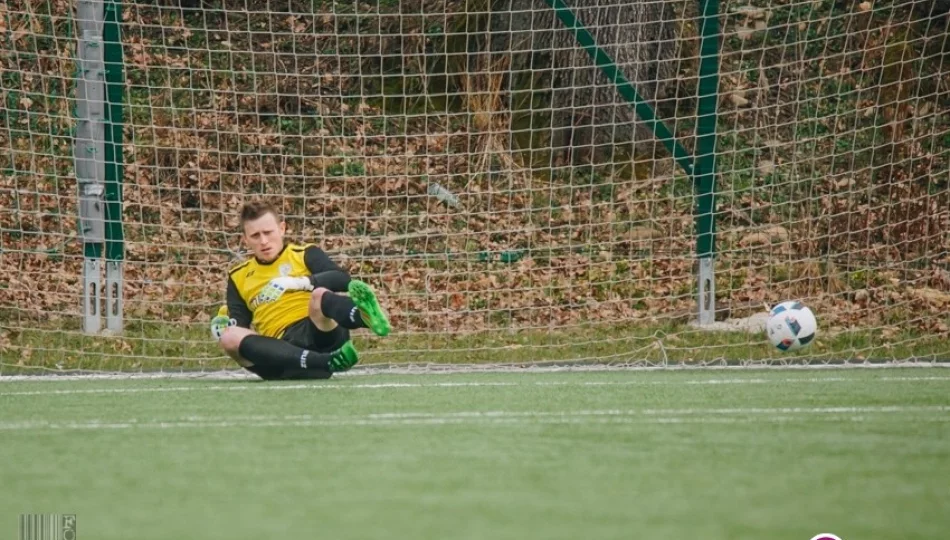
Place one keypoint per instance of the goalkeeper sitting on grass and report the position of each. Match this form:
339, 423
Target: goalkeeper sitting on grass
291, 294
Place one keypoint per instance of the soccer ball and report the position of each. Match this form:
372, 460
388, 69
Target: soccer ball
791, 326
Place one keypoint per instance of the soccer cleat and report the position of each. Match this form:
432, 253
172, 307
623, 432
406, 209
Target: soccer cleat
343, 358
372, 313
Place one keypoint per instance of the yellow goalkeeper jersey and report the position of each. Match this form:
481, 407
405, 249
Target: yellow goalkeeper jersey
250, 301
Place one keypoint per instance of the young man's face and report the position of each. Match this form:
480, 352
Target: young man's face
265, 237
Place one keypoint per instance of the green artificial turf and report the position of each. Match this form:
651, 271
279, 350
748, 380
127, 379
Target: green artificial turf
713, 454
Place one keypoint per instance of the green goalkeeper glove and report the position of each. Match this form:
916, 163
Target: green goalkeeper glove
221, 322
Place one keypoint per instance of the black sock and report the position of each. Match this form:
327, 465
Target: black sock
341, 309
270, 354
299, 374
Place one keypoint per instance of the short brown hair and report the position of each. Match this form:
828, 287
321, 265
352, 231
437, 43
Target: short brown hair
255, 209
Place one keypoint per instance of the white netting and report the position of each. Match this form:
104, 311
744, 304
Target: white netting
468, 160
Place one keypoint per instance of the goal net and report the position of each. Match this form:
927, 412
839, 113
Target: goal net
473, 163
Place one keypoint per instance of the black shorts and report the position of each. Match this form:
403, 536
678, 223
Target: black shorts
305, 335
291, 374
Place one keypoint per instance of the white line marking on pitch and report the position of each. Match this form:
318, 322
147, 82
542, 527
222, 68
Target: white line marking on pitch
376, 386
370, 370
648, 416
